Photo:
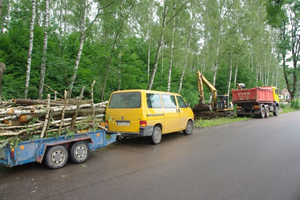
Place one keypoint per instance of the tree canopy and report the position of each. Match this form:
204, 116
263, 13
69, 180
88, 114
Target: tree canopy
134, 44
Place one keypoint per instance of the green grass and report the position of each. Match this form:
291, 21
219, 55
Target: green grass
287, 108
218, 121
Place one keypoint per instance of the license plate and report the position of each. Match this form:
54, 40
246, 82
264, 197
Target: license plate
123, 123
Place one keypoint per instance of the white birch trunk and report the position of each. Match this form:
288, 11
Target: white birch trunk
216, 65
235, 75
30, 49
43, 65
230, 75
257, 72
149, 54
158, 47
185, 59
172, 52
82, 28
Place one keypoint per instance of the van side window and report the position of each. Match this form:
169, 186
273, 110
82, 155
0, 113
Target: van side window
153, 101
181, 102
169, 101
125, 100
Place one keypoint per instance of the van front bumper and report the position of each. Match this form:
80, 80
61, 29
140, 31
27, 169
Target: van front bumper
144, 131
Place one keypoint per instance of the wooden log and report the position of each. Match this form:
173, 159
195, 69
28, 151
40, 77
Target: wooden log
78, 106
47, 116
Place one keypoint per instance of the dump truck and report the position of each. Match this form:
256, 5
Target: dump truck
220, 105
55, 151
258, 101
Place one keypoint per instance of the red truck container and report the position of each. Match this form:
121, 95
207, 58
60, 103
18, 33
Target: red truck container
259, 101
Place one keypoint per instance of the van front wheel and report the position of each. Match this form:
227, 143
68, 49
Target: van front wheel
156, 135
189, 128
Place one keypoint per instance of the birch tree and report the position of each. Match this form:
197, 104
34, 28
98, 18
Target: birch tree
43, 65
172, 51
82, 31
30, 49
159, 46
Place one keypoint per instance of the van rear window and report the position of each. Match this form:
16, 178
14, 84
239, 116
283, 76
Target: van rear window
125, 100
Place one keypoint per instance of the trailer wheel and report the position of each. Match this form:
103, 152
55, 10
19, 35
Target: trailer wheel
189, 128
56, 157
79, 152
267, 112
262, 112
156, 135
276, 112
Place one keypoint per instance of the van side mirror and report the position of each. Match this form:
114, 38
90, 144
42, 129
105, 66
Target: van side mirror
188, 104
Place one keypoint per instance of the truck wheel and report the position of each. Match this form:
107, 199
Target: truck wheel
267, 112
56, 157
262, 112
156, 135
276, 112
79, 152
189, 128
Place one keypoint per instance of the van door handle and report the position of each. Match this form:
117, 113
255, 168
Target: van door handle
178, 110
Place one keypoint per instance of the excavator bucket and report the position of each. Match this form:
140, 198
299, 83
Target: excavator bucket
202, 107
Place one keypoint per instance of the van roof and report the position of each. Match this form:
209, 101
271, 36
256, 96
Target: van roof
142, 90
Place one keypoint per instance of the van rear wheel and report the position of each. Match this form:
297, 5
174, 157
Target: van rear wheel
156, 135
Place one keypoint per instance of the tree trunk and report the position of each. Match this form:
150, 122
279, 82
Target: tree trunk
119, 71
1, 2
149, 54
113, 47
235, 75
186, 56
172, 51
160, 43
43, 65
82, 29
230, 75
30, 49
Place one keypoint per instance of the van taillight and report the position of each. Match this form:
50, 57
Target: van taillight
143, 123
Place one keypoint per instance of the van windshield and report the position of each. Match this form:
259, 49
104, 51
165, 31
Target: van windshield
125, 100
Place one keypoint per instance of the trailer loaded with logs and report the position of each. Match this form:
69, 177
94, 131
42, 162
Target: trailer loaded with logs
51, 131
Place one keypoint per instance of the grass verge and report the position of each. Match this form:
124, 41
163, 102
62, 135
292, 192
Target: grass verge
218, 121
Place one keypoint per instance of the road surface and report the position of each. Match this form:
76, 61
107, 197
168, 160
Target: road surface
255, 159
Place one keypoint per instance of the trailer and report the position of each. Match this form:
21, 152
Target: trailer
55, 151
258, 101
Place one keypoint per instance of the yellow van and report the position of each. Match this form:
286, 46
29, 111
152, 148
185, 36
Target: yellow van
148, 113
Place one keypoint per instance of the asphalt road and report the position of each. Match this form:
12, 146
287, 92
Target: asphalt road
255, 159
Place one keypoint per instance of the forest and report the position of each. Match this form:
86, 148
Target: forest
63, 45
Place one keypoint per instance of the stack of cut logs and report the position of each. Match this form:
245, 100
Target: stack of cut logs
25, 118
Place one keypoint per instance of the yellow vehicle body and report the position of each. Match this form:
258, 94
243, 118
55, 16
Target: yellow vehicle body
275, 94
148, 113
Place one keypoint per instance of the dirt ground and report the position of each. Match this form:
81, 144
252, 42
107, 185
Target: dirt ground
199, 113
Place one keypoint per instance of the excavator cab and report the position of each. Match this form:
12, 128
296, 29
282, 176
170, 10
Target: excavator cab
223, 104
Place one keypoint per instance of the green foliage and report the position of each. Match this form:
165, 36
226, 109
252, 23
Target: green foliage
295, 104
240, 32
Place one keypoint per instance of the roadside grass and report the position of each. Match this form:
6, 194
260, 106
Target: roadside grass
287, 108
218, 121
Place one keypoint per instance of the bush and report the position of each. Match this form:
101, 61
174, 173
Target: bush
295, 104
282, 105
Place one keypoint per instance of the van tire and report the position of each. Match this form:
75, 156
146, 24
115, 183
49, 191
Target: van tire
189, 128
156, 135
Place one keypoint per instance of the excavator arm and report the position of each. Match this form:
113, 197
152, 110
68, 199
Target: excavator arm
201, 79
